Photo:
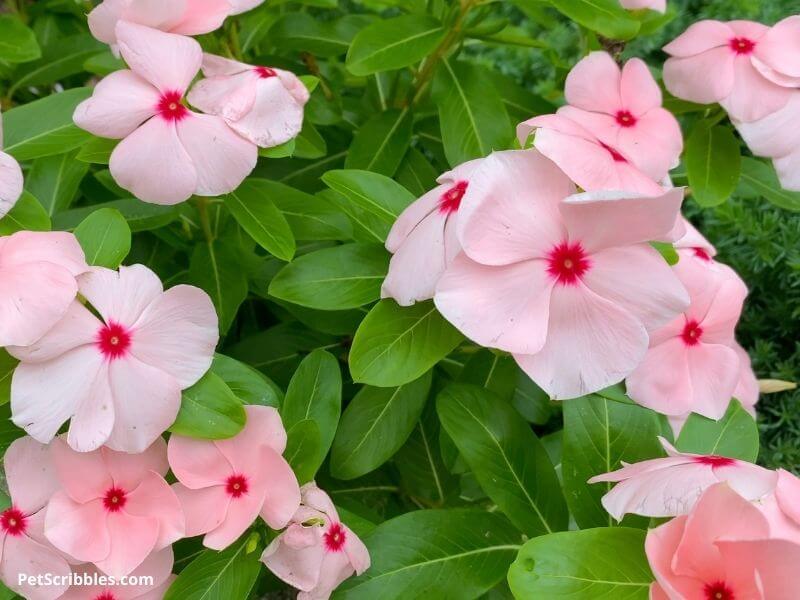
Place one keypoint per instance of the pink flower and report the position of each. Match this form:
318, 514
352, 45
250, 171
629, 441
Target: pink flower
118, 377
657, 5
423, 239
747, 67
623, 109
167, 152
240, 6
262, 104
667, 487
695, 241
589, 162
158, 566
691, 365
781, 508
38, 272
186, 17
10, 179
113, 508
316, 552
567, 283
226, 484
23, 547
721, 550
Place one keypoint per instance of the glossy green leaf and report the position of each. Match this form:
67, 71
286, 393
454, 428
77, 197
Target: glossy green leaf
256, 213
380, 144
54, 180
303, 449
8, 431
309, 143
97, 150
376, 423
140, 216
334, 278
247, 384
759, 180
216, 268
583, 565
735, 435
105, 238
27, 214
713, 163
7, 365
61, 58
606, 17
300, 31
309, 217
17, 42
209, 410
508, 460
395, 345
415, 173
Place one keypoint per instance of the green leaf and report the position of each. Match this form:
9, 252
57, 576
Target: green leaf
508, 460
376, 423
473, 118
759, 180
140, 216
315, 392
247, 384
54, 180
451, 553
27, 214
280, 151
103, 63
375, 194
389, 44
256, 213
216, 268
105, 238
605, 17
598, 435
97, 150
310, 217
735, 435
226, 575
303, 449
713, 163
334, 278
7, 365
668, 251
44, 127
380, 144
415, 173
209, 410
583, 565
62, 58
302, 32
17, 42
309, 143
395, 345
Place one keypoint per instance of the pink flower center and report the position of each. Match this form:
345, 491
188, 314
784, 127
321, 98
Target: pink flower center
115, 499
718, 590
702, 254
614, 154
265, 72
170, 107
237, 486
714, 460
106, 596
625, 118
567, 262
113, 340
334, 538
13, 522
450, 201
742, 45
692, 332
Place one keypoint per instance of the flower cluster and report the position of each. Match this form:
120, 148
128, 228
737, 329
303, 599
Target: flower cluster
735, 531
753, 72
545, 253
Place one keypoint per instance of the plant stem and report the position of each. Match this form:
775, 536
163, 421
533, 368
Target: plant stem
205, 223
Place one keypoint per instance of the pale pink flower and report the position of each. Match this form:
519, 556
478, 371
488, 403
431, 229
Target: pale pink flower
588, 161
721, 550
423, 239
749, 68
782, 508
224, 485
118, 377
657, 5
567, 283
185, 17
158, 566
10, 179
38, 272
262, 104
623, 109
167, 152
670, 486
240, 6
113, 509
23, 547
317, 551
691, 365
694, 241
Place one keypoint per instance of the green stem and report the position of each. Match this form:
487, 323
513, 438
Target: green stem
205, 222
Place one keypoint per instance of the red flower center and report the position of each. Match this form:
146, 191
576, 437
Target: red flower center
692, 332
567, 262
614, 154
115, 499
237, 486
450, 201
334, 538
714, 460
742, 45
106, 596
625, 118
718, 590
265, 72
13, 522
170, 107
702, 254
113, 340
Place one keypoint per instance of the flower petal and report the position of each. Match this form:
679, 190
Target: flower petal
121, 296
93, 421
82, 475
242, 511
780, 46
205, 508
714, 373
202, 16
132, 540
594, 84
774, 135
154, 498
699, 37
299, 566
706, 78
130, 470
283, 492
22, 555
197, 463
10, 183
276, 115
229, 96
30, 474
264, 428
752, 96
662, 381
80, 530
638, 89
